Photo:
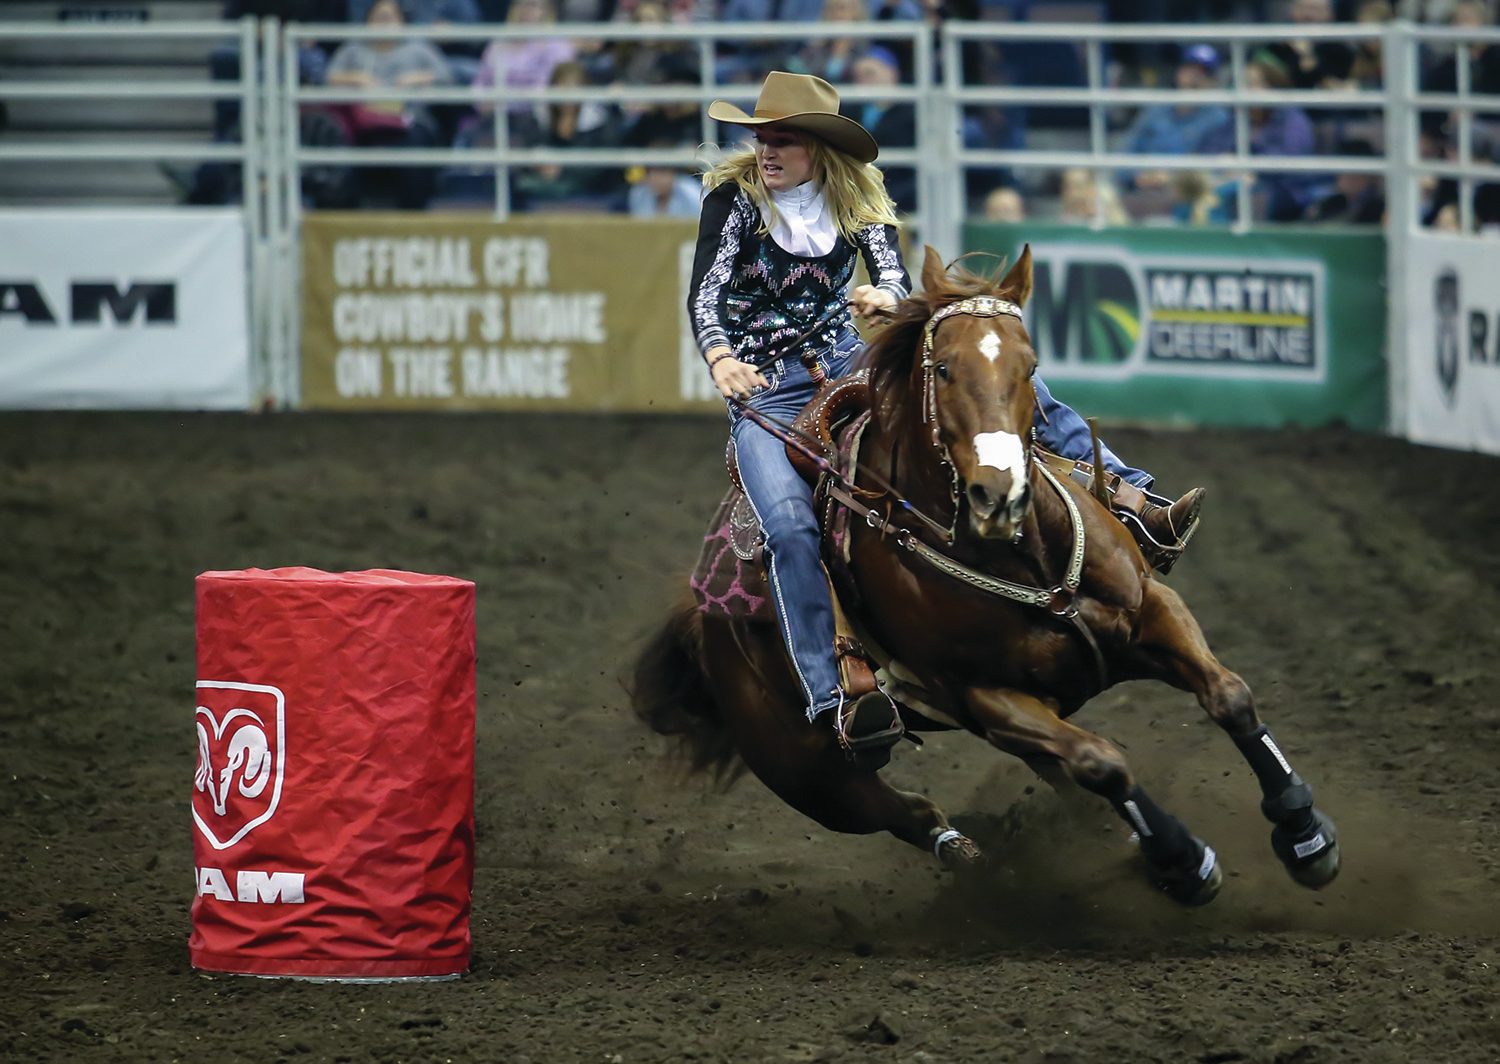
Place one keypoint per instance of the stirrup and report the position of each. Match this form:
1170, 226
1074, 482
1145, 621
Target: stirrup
1160, 556
868, 725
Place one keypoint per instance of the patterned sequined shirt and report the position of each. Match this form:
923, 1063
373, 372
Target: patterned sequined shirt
753, 296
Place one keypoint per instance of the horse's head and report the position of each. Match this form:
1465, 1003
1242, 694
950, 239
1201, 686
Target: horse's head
974, 379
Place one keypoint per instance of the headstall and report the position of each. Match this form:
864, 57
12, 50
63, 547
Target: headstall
975, 307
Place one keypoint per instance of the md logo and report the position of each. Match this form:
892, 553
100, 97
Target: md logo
1084, 311
1110, 312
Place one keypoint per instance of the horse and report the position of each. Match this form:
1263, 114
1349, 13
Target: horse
997, 595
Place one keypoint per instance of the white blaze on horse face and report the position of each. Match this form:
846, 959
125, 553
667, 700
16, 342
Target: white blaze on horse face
989, 345
1003, 450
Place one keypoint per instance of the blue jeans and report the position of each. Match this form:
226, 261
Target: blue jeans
1067, 434
783, 503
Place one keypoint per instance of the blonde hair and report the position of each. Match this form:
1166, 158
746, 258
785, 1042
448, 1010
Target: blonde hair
854, 191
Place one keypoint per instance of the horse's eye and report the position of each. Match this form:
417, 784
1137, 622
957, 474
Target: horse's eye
942, 370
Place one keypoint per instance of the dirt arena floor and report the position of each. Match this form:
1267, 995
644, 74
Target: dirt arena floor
623, 916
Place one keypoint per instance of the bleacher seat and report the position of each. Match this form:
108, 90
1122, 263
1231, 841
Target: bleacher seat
103, 118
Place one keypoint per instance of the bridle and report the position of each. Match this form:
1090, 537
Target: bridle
974, 307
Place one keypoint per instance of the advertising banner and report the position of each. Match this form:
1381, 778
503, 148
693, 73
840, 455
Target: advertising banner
114, 308
443, 311
1453, 342
1206, 326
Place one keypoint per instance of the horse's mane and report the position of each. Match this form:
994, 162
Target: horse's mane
890, 355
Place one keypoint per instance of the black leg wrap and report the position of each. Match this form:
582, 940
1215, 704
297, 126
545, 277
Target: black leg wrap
1303, 838
1164, 840
1286, 799
1180, 865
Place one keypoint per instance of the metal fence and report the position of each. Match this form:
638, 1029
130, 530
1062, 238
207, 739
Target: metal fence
272, 160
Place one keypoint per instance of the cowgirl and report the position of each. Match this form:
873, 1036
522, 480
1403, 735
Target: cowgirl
782, 222
780, 227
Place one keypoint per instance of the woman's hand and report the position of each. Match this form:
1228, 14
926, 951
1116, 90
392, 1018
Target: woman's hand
867, 300
733, 378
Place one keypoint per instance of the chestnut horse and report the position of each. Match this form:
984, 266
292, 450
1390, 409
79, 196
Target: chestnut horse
951, 432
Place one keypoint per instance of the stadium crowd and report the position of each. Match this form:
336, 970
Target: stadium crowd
1144, 195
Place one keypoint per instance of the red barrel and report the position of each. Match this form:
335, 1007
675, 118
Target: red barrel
333, 803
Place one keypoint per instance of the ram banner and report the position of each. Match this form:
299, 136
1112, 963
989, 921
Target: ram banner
1206, 326
446, 311
1453, 342
117, 308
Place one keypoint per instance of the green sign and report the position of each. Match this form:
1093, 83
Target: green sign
1206, 326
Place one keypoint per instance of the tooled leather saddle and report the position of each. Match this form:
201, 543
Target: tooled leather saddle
730, 577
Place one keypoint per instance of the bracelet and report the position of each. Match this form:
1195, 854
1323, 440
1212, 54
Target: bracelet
720, 357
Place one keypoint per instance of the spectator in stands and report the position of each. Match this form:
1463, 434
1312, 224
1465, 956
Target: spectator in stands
1180, 129
679, 12
1368, 71
645, 62
665, 192
771, 11
1314, 64
1004, 205
216, 183
1277, 131
389, 62
1082, 195
674, 124
1197, 201
744, 62
567, 125
1483, 60
423, 12
1357, 199
528, 63
831, 56
462, 57
893, 125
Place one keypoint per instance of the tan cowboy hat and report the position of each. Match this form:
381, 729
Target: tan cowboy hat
801, 101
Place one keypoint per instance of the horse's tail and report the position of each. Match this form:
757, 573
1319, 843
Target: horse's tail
671, 695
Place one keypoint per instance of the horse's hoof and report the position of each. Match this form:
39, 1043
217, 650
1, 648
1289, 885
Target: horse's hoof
1194, 884
957, 852
1313, 860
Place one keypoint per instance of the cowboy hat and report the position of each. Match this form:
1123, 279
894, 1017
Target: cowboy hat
801, 101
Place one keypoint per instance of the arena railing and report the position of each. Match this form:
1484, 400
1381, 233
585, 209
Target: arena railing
1099, 98
289, 157
1408, 169
249, 154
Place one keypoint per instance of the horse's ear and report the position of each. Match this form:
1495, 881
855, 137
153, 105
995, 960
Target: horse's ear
1017, 283
934, 272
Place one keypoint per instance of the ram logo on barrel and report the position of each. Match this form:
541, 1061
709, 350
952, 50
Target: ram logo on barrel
249, 757
241, 758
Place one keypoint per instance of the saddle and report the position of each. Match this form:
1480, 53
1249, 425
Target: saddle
831, 409
730, 577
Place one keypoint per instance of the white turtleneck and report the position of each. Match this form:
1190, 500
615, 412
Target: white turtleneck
803, 225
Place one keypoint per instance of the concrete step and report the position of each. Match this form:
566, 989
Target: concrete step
156, 10
110, 117
104, 183
26, 54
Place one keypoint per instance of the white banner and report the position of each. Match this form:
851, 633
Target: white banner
109, 309
1453, 342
